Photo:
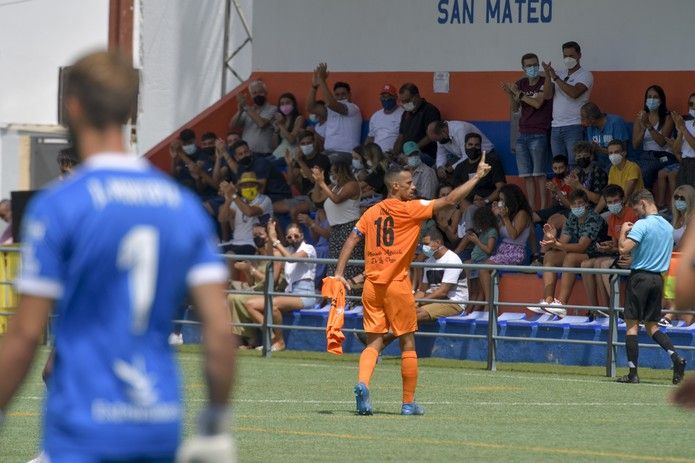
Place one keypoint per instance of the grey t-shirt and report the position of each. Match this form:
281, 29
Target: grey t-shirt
260, 140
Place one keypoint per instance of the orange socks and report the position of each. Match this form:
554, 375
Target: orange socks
367, 363
409, 375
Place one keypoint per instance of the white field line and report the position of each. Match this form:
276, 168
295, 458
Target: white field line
444, 402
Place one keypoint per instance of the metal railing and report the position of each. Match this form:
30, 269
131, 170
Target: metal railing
493, 305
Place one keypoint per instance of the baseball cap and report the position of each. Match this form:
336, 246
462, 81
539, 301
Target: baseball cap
390, 89
410, 147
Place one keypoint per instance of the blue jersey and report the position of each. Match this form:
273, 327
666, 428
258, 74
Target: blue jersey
116, 245
654, 238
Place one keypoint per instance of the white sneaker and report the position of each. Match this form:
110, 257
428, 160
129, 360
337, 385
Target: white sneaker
539, 308
175, 339
560, 312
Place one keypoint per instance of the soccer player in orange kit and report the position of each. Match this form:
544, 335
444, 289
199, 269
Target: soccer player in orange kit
391, 229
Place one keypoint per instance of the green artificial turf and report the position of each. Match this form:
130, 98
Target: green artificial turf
299, 406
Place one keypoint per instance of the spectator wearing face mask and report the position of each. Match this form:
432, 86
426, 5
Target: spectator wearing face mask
384, 124
243, 207
626, 174
424, 177
343, 118
570, 90
300, 293
271, 181
450, 137
300, 162
287, 124
650, 133
488, 188
559, 192
577, 243
531, 149
601, 129
255, 119
418, 114
184, 153
588, 175
598, 286
682, 211
684, 144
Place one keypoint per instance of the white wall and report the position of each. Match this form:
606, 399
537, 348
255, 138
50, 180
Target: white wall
180, 47
405, 35
36, 38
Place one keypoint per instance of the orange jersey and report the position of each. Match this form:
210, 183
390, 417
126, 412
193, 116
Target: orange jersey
391, 230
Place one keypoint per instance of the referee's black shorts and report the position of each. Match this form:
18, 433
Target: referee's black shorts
643, 299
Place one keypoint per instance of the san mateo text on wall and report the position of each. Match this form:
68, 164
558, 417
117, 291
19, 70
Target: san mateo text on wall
495, 11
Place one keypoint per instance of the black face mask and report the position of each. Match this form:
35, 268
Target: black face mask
259, 100
245, 161
473, 153
583, 162
259, 241
561, 175
444, 141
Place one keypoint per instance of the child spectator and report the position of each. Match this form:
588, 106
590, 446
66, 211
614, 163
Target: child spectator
484, 236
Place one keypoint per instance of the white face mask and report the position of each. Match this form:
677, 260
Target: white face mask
569, 62
307, 150
691, 112
409, 106
615, 159
189, 149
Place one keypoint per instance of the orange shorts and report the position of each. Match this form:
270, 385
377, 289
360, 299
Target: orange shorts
390, 306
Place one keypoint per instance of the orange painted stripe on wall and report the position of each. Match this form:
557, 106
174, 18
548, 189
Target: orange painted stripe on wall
474, 96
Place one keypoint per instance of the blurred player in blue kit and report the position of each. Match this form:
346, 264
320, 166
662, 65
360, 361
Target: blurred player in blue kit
106, 251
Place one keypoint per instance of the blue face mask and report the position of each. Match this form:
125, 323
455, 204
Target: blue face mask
414, 161
615, 208
579, 212
357, 164
532, 71
388, 103
652, 103
680, 205
427, 250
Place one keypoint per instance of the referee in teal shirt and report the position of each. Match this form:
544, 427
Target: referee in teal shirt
650, 241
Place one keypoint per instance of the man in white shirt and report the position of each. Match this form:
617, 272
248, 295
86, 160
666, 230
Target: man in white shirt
343, 119
440, 283
385, 123
255, 119
571, 89
451, 143
243, 211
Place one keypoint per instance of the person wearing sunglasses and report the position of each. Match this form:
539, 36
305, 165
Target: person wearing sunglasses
682, 208
299, 276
